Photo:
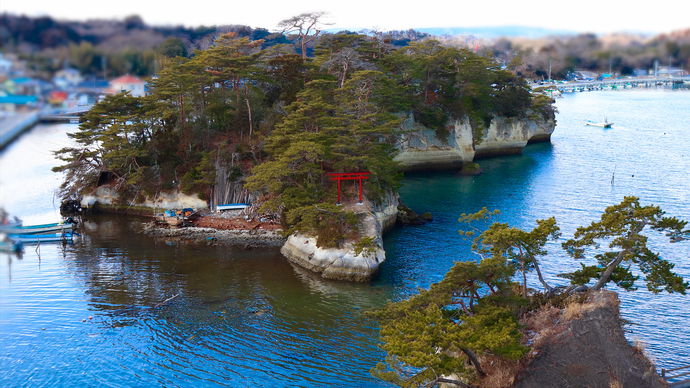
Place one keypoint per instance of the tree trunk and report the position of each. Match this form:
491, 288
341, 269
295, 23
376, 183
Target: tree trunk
249, 110
474, 361
524, 280
604, 278
342, 83
541, 279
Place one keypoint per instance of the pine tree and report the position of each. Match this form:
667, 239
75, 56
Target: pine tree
620, 227
434, 335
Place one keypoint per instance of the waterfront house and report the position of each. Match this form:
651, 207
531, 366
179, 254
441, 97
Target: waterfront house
13, 103
127, 83
27, 86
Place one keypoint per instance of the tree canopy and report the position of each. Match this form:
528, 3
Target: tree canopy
511, 244
435, 334
620, 229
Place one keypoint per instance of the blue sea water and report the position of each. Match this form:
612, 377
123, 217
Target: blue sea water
85, 314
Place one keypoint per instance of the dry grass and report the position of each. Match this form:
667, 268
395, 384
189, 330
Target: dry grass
576, 307
540, 325
615, 383
500, 371
640, 348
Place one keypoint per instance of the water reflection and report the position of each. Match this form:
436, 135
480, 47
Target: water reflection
240, 317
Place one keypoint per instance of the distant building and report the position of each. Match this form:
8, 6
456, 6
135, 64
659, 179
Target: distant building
27, 86
67, 77
5, 66
127, 83
583, 75
666, 72
14, 103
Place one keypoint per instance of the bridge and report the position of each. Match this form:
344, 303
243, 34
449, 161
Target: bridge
596, 85
63, 114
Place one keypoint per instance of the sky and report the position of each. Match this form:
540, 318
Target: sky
594, 16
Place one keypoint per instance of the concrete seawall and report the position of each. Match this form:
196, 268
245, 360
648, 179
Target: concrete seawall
13, 126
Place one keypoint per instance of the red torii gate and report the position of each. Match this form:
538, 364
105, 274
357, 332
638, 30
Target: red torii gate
348, 176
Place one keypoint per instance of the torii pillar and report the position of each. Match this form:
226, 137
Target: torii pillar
346, 176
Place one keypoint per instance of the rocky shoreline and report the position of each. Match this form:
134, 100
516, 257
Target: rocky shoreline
257, 237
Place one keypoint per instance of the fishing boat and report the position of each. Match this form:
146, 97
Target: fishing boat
57, 227
232, 206
603, 124
42, 238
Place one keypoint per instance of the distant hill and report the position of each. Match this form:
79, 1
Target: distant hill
497, 32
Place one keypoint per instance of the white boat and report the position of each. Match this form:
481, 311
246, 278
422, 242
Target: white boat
603, 124
232, 206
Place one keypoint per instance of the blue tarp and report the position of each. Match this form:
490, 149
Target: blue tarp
16, 99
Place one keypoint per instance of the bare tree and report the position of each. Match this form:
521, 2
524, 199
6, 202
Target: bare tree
304, 25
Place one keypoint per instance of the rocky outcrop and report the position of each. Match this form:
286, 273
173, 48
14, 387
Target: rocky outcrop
107, 196
423, 150
584, 346
344, 263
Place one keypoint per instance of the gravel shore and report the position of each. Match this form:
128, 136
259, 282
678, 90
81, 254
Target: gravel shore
257, 237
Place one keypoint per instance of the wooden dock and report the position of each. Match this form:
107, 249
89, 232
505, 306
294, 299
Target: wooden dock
677, 377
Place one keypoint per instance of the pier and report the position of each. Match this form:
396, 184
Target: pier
13, 125
610, 83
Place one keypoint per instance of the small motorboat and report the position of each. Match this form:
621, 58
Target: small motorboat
232, 206
41, 238
603, 124
57, 227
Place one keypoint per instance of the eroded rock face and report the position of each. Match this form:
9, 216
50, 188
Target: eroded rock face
106, 195
343, 263
423, 150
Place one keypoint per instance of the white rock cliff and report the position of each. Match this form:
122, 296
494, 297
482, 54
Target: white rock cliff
423, 150
344, 263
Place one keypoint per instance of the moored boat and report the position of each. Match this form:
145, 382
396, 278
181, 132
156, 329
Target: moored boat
57, 227
232, 206
42, 238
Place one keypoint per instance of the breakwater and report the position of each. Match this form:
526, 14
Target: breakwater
11, 126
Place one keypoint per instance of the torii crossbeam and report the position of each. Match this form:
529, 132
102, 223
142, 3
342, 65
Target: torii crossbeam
349, 176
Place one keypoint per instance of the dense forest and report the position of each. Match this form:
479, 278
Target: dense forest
277, 121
